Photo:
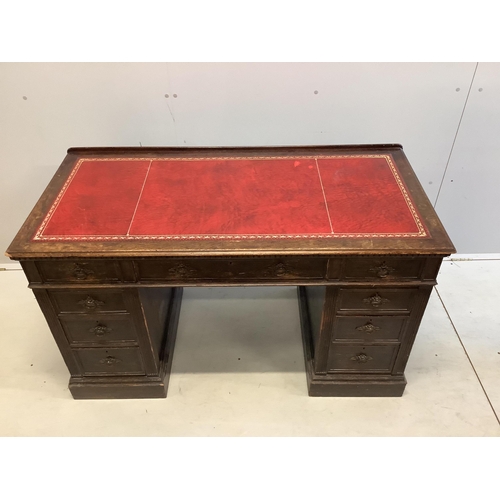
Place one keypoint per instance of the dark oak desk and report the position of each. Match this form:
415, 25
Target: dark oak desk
119, 231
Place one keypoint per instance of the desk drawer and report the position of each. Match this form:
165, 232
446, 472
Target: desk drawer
372, 300
382, 268
81, 271
236, 269
88, 301
362, 358
106, 328
110, 361
368, 328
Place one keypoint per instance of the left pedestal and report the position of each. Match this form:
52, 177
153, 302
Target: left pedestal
116, 342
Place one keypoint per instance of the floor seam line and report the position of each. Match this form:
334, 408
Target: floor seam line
469, 260
468, 357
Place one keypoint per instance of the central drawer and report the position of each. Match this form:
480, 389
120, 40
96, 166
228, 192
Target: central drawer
235, 269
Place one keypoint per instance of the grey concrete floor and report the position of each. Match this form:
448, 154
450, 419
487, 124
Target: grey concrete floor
238, 370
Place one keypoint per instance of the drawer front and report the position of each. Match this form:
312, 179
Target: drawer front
370, 328
372, 300
119, 361
359, 358
81, 271
88, 301
103, 329
237, 269
382, 269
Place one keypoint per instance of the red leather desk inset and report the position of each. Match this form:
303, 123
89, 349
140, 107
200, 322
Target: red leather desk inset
323, 196
119, 231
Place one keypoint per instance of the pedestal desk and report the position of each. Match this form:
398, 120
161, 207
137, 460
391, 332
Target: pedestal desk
119, 232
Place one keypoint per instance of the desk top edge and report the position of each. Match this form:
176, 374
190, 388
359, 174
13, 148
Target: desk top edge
437, 244
291, 150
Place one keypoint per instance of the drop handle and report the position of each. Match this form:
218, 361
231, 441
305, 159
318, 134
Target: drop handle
110, 360
80, 272
280, 270
90, 303
368, 328
361, 358
100, 330
375, 300
383, 270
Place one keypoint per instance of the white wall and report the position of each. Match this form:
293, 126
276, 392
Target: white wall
469, 201
124, 104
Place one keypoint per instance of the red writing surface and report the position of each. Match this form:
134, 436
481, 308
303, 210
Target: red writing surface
305, 197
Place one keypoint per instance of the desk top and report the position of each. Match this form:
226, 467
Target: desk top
213, 201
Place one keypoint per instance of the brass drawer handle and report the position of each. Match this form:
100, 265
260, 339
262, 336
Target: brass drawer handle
110, 360
278, 270
80, 272
375, 300
181, 271
90, 303
369, 327
281, 270
100, 330
383, 270
361, 358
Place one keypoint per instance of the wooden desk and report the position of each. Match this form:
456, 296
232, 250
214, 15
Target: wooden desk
119, 231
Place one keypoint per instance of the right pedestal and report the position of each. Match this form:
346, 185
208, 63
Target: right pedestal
357, 338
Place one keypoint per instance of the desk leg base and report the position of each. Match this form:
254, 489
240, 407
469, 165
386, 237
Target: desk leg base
136, 387
96, 390
342, 385
325, 387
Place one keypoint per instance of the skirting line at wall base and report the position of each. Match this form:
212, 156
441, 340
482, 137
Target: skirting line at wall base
474, 256
10, 266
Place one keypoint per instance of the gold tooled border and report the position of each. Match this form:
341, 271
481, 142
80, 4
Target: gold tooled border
39, 236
